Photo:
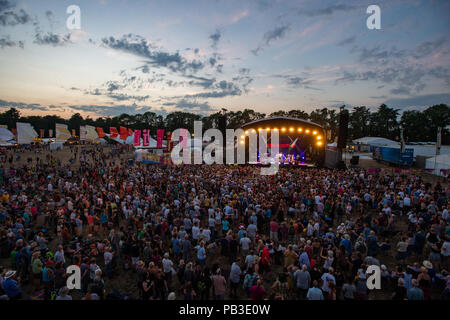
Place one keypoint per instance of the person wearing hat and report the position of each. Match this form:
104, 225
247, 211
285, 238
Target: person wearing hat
12, 286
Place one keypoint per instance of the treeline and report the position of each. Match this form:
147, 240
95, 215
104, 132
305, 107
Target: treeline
385, 122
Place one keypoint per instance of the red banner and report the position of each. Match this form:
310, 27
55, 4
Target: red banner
137, 137
159, 138
113, 133
100, 132
123, 133
169, 141
145, 137
130, 132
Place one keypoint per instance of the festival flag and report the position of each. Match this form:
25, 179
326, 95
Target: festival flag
159, 138
145, 137
25, 133
137, 137
42, 133
62, 132
123, 133
113, 133
130, 132
100, 132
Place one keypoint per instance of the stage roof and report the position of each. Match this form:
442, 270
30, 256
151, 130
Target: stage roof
280, 119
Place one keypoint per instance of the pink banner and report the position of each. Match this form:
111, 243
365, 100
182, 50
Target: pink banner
145, 137
183, 137
159, 138
137, 137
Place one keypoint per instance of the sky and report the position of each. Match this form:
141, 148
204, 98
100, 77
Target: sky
199, 56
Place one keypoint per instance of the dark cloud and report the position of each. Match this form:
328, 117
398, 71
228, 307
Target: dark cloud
201, 81
244, 70
275, 34
21, 105
113, 110
193, 106
113, 86
327, 11
219, 90
420, 101
139, 46
428, 47
379, 55
125, 97
10, 17
50, 38
347, 41
215, 38
7, 42
269, 36
401, 90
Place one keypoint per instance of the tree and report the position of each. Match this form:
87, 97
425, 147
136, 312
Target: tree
359, 122
383, 123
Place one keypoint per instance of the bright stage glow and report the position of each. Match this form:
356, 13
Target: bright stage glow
283, 129
299, 129
314, 132
319, 137
319, 143
291, 129
307, 130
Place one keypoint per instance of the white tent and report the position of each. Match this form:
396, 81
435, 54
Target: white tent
25, 133
437, 163
376, 141
6, 135
57, 145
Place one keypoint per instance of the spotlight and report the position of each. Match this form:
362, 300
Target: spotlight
291, 129
246, 132
275, 129
314, 132
299, 129
319, 143
253, 130
307, 130
242, 137
259, 129
283, 129
319, 137
267, 129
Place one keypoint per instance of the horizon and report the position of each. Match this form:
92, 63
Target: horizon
138, 56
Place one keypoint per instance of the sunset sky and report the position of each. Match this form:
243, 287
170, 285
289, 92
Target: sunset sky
200, 56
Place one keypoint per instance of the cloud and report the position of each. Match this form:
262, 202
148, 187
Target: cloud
139, 46
22, 105
192, 106
125, 97
420, 101
215, 37
201, 81
222, 89
327, 11
277, 33
270, 36
347, 41
401, 90
10, 17
113, 110
428, 47
7, 42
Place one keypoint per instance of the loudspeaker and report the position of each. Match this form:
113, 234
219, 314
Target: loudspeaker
343, 129
354, 160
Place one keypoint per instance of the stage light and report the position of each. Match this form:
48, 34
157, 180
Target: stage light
246, 132
307, 130
314, 132
283, 129
242, 142
319, 143
267, 129
291, 129
319, 137
299, 129
253, 130
259, 129
275, 129
242, 137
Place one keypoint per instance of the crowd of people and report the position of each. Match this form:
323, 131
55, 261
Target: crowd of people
200, 232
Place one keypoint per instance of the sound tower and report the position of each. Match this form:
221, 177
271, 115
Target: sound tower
222, 122
343, 129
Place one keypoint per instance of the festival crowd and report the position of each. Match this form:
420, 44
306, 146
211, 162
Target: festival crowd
199, 232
